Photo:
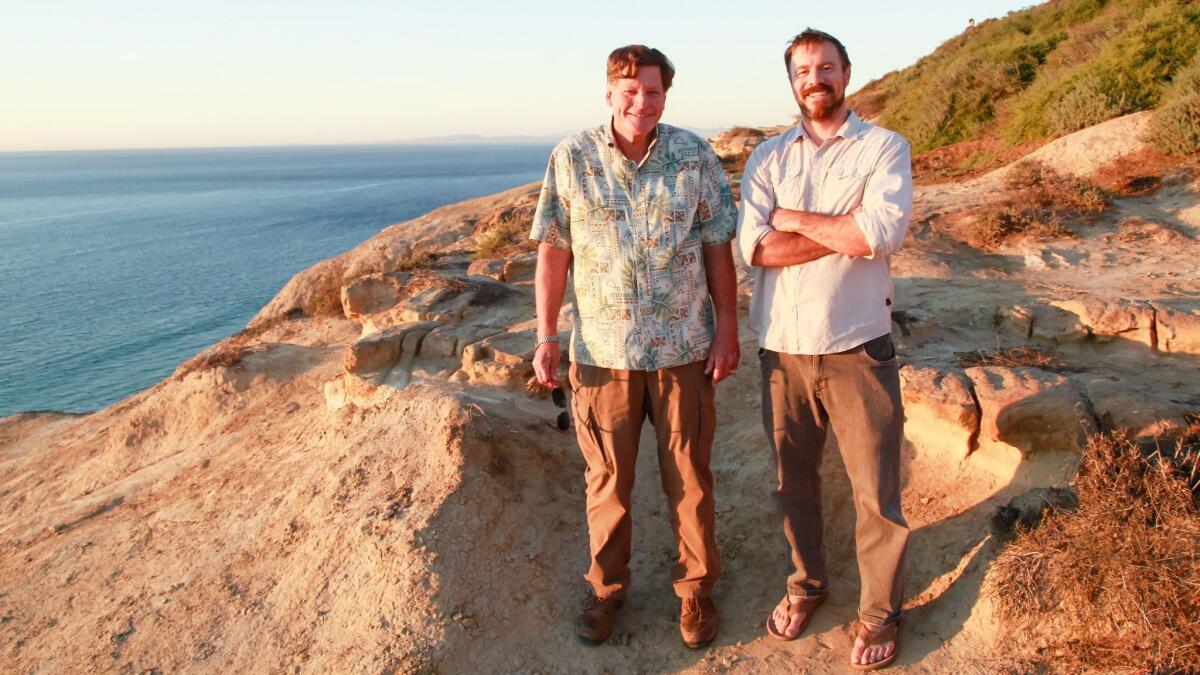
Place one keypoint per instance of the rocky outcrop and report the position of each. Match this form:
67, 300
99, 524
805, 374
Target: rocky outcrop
1178, 331
940, 409
1030, 409
1122, 405
1109, 320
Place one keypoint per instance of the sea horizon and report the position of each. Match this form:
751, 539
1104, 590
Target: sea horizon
121, 263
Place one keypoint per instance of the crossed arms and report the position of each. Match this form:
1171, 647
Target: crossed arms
769, 236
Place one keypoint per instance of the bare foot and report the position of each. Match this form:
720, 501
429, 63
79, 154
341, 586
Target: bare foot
780, 619
867, 651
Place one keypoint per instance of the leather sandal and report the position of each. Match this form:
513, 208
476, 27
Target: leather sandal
805, 605
877, 637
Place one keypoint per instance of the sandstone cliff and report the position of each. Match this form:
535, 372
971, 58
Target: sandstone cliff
359, 481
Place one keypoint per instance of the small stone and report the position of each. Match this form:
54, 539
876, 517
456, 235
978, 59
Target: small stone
457, 616
925, 500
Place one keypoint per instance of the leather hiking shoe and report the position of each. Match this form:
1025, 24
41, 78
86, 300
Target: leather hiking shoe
596, 621
698, 622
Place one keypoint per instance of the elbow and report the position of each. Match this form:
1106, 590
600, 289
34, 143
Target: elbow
756, 259
880, 235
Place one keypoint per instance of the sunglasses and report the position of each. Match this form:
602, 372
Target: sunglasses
564, 418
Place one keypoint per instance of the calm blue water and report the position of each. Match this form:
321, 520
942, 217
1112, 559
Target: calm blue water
116, 266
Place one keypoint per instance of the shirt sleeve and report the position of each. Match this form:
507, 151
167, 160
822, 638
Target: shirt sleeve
887, 200
758, 200
715, 210
552, 218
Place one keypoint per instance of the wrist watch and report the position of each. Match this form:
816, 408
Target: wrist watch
546, 339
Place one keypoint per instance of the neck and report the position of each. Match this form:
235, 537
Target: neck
822, 130
632, 145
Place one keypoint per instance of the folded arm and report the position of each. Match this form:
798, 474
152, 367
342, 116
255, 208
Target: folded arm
759, 243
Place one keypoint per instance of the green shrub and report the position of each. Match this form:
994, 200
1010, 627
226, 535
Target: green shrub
1044, 71
1091, 100
1186, 81
1175, 129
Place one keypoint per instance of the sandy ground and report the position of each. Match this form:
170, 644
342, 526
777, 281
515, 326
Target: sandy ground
230, 519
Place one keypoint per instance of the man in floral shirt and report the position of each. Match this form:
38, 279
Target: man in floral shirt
640, 213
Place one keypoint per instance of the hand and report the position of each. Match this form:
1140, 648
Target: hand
723, 357
545, 364
783, 220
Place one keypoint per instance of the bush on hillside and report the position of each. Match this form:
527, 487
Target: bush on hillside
1113, 583
1043, 71
1040, 202
1091, 100
1175, 129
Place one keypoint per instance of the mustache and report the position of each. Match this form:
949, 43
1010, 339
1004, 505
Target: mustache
816, 88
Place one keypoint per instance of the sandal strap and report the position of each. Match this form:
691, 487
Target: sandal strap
877, 636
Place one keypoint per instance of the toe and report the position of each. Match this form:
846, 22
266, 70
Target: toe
779, 620
793, 628
856, 654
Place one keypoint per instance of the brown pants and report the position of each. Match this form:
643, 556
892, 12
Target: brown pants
859, 395
609, 406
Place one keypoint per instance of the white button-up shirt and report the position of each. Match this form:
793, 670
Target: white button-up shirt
837, 302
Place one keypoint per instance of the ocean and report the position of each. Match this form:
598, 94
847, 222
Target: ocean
116, 266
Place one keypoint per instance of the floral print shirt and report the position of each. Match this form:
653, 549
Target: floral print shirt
636, 232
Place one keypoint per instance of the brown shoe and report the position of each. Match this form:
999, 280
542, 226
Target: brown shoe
698, 622
597, 618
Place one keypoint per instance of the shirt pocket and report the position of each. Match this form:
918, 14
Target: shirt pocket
845, 183
789, 192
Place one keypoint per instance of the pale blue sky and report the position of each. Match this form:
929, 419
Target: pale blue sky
124, 74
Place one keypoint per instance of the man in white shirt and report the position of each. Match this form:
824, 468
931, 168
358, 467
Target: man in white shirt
823, 207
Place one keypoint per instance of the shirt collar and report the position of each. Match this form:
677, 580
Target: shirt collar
611, 141
851, 129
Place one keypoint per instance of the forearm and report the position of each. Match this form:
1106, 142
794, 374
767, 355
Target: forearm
840, 234
550, 281
784, 249
722, 285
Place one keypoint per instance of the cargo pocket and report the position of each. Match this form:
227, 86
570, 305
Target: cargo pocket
587, 430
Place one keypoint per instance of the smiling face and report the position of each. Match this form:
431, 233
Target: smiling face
637, 102
819, 80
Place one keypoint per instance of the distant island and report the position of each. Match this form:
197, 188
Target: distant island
480, 139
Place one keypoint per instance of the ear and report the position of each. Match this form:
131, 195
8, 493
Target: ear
846, 83
608, 96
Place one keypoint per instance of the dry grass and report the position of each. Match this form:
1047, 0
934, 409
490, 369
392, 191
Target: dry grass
1116, 583
1047, 188
1011, 357
508, 235
1039, 204
418, 258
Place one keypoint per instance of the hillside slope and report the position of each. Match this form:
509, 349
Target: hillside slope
1040, 72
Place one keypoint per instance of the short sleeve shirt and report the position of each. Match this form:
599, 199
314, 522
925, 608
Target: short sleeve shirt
636, 232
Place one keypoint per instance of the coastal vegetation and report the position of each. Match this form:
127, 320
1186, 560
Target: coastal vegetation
1111, 584
1048, 71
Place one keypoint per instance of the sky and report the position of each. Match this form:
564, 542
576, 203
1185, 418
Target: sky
83, 74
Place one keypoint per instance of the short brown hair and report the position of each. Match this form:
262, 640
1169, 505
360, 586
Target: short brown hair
812, 36
625, 61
